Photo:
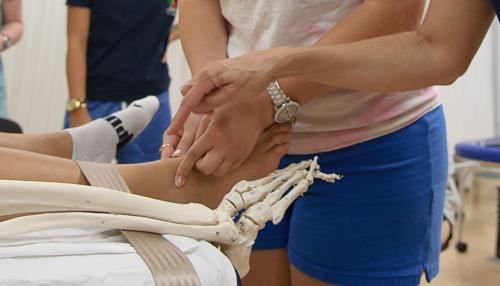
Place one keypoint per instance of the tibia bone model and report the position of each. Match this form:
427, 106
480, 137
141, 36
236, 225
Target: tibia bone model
263, 200
25, 196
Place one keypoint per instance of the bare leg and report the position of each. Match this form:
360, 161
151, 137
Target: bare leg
24, 166
156, 179
57, 144
262, 274
153, 179
301, 279
60, 144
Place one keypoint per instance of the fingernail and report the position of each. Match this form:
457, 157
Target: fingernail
179, 181
177, 153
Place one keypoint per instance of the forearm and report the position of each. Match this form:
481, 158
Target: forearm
437, 53
203, 32
76, 67
376, 64
12, 23
76, 58
371, 19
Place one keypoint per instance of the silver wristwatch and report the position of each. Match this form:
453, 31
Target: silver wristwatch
285, 109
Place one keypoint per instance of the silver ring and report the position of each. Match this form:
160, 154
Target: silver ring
164, 146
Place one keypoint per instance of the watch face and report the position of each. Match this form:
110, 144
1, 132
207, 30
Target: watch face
73, 104
287, 112
70, 105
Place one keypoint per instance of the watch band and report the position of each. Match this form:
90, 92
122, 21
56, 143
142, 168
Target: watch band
74, 104
277, 94
285, 109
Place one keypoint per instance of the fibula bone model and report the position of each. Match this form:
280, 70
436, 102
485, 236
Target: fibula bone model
262, 200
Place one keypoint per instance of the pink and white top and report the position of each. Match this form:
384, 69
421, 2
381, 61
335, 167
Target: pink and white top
343, 117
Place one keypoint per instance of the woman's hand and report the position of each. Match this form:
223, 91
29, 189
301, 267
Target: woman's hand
177, 145
228, 139
233, 91
226, 81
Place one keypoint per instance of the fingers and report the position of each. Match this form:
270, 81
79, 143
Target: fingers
197, 151
184, 144
225, 168
190, 129
279, 139
169, 144
201, 87
205, 121
281, 150
187, 87
215, 99
273, 130
210, 162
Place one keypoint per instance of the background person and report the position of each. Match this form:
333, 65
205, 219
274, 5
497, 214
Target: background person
10, 34
115, 51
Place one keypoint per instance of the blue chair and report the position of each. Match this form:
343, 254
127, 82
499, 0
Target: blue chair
478, 156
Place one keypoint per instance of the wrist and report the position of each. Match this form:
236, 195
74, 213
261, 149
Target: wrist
281, 65
79, 112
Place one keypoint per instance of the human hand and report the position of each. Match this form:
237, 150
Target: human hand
228, 139
177, 145
79, 117
225, 82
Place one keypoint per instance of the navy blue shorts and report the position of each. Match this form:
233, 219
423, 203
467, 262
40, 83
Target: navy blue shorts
380, 224
145, 147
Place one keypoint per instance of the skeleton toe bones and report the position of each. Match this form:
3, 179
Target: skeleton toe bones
263, 200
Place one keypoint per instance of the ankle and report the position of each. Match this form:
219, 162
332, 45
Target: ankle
66, 144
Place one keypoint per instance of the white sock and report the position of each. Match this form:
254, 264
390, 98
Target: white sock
99, 140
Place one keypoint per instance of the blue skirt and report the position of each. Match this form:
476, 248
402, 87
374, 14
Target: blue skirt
380, 224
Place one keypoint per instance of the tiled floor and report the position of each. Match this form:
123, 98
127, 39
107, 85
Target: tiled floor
476, 266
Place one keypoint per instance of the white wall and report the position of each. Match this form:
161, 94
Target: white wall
37, 85
470, 102
35, 68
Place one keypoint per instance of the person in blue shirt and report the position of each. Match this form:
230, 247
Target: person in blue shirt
115, 51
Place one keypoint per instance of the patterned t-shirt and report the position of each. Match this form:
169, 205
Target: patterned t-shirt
343, 117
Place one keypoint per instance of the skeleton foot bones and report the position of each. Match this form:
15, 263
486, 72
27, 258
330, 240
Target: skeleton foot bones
68, 205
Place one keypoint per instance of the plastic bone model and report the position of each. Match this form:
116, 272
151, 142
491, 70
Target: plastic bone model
85, 206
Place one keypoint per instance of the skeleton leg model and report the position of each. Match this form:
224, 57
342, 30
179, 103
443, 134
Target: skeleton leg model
263, 200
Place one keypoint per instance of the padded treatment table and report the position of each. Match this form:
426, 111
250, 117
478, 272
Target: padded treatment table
98, 257
487, 154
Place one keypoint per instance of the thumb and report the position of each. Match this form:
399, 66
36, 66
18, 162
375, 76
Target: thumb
214, 100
